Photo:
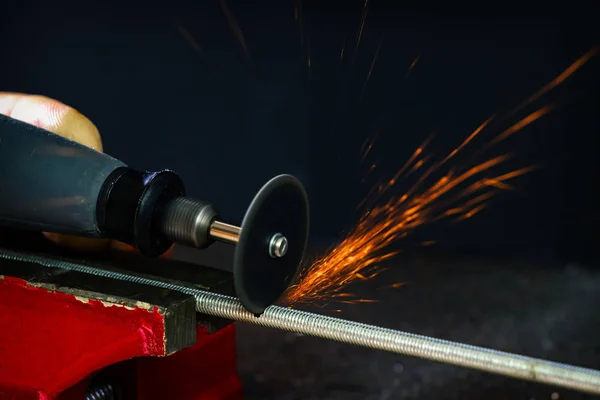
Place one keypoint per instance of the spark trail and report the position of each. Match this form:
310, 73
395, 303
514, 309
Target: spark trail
412, 66
361, 28
580, 62
459, 194
185, 33
237, 31
362, 93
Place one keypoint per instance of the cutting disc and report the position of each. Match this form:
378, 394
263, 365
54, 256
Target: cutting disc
280, 207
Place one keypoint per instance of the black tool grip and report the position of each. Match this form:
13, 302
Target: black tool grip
49, 183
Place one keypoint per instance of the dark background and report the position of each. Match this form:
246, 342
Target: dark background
227, 120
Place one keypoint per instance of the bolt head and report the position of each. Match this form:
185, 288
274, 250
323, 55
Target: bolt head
278, 246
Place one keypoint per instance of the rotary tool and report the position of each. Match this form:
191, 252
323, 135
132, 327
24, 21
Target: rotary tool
53, 184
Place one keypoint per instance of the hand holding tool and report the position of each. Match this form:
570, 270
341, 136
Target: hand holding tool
53, 184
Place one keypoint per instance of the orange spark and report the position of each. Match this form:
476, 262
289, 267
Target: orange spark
468, 139
397, 285
363, 18
460, 193
370, 71
469, 214
498, 184
534, 116
412, 65
366, 147
361, 254
379, 190
343, 48
362, 23
560, 78
511, 175
408, 163
418, 165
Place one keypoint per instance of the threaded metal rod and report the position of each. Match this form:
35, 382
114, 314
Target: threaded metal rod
370, 336
104, 392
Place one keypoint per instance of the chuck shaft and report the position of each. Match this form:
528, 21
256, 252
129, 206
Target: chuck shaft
186, 221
